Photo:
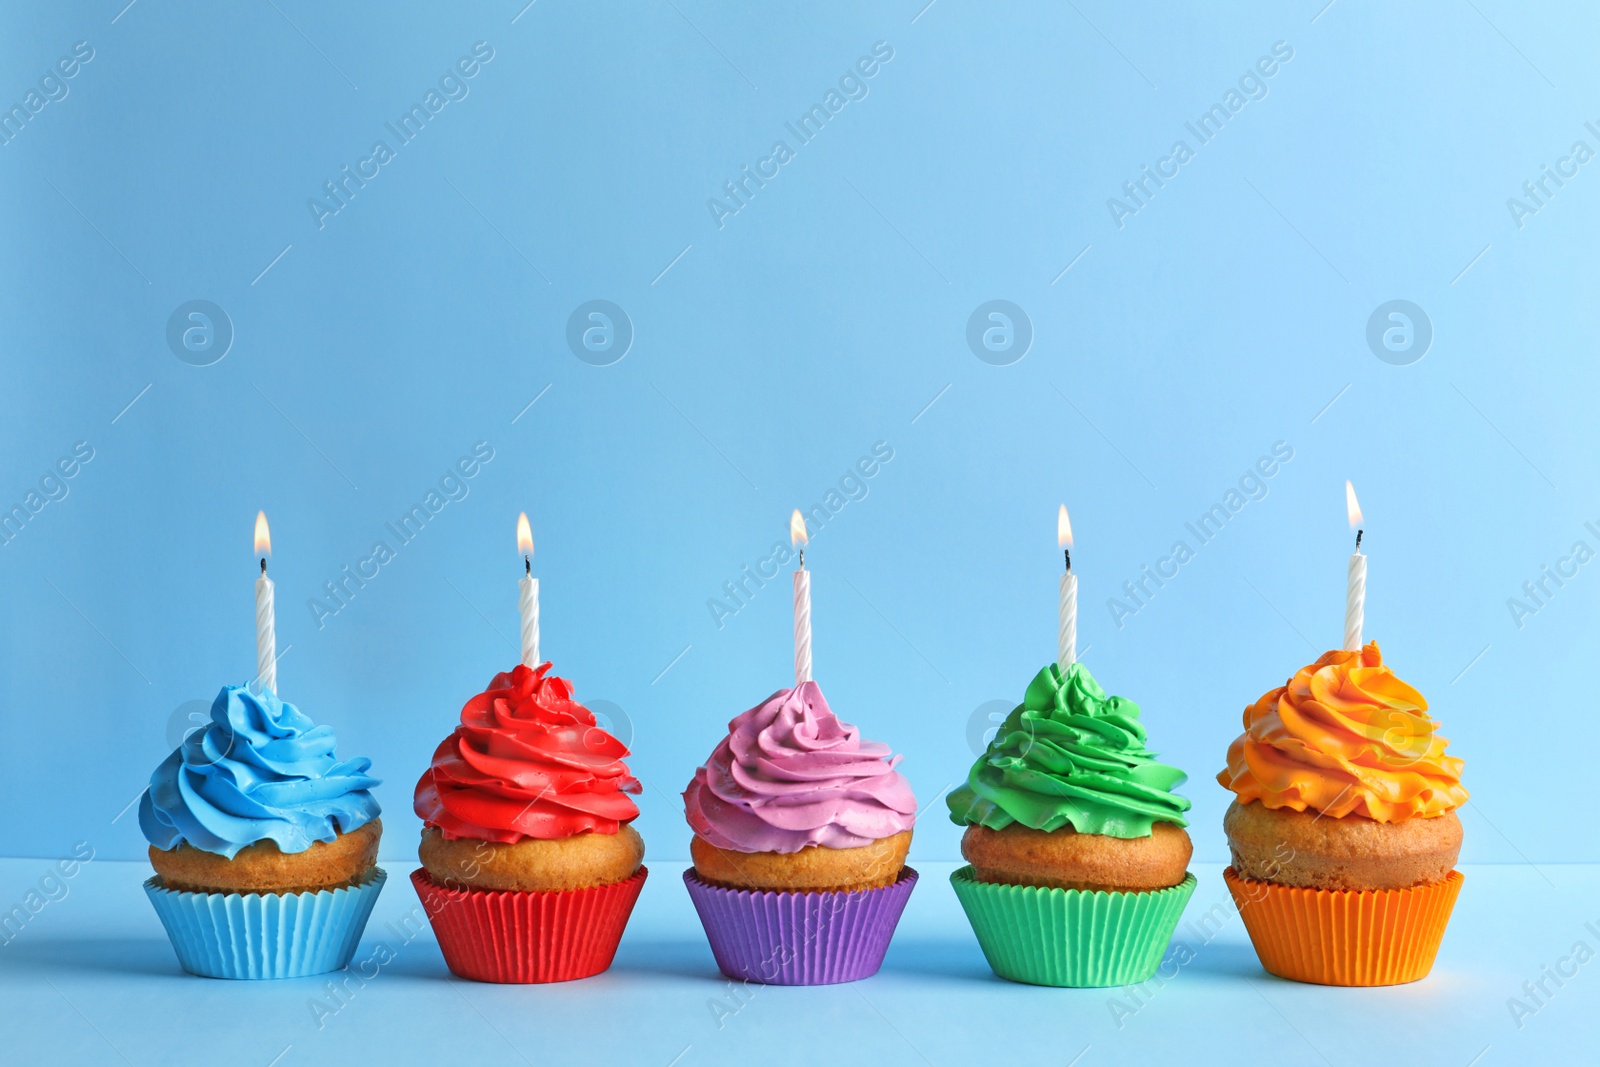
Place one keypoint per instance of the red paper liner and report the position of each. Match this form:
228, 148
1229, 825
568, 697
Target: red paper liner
491, 935
1345, 937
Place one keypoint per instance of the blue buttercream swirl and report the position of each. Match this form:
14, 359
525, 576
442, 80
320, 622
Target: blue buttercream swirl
261, 771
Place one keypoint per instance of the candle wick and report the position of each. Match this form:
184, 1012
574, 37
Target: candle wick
1358, 539
1067, 552
263, 565
527, 567
802, 559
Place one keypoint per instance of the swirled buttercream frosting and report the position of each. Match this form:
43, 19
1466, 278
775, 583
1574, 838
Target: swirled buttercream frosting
261, 771
527, 761
1069, 755
1345, 736
790, 775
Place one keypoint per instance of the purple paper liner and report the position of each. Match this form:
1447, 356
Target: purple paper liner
799, 938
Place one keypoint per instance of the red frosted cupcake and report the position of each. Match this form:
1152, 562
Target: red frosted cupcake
529, 867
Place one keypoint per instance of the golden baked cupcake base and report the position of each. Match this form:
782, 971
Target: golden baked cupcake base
263, 868
1066, 859
1313, 851
811, 870
532, 865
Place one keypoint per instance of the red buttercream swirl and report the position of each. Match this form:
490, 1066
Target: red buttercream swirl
527, 761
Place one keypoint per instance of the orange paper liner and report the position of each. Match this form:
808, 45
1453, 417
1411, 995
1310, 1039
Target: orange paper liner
1345, 937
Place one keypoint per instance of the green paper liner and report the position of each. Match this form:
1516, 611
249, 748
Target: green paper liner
1077, 938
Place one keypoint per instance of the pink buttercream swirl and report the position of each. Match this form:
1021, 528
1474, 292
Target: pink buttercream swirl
790, 774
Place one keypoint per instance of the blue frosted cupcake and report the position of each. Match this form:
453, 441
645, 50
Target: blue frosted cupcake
264, 843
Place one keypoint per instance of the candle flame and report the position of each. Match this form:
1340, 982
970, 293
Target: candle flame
263, 535
1063, 529
1351, 506
524, 535
797, 529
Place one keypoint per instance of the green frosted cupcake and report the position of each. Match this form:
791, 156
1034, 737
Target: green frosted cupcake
1076, 843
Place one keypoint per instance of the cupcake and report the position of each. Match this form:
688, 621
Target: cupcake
1344, 833
529, 867
1076, 843
264, 843
801, 831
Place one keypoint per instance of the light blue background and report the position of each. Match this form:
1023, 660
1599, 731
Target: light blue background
823, 317
769, 354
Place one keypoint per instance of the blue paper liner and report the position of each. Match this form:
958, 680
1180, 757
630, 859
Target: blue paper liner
794, 938
266, 935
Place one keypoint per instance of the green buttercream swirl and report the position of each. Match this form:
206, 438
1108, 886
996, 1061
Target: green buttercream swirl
1070, 754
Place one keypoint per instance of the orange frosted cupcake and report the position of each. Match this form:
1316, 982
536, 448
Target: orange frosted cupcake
1344, 835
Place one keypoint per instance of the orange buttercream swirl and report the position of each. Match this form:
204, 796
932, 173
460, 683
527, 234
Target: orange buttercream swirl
1345, 737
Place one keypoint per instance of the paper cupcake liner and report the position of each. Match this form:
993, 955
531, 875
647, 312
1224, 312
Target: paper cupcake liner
1345, 937
491, 935
265, 935
794, 938
1071, 937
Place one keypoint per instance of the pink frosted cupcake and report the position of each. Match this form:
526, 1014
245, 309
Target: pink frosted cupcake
801, 831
